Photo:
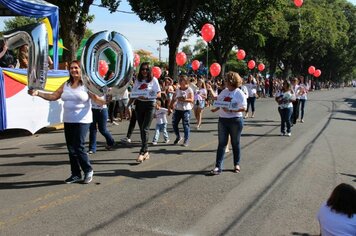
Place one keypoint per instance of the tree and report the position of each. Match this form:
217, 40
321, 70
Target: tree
232, 21
18, 22
74, 16
176, 14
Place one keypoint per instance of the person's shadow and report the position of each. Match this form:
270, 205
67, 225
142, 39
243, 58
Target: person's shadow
354, 176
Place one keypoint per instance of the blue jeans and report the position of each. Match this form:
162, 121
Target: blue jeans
75, 134
302, 106
251, 101
229, 127
161, 128
285, 114
144, 114
185, 116
100, 117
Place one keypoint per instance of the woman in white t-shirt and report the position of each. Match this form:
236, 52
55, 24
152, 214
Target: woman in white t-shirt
284, 98
337, 217
303, 92
230, 121
145, 105
182, 103
77, 117
200, 96
252, 94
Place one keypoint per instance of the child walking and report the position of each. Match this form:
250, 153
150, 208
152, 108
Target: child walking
161, 123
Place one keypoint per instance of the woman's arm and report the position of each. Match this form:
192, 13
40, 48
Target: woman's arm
98, 100
47, 96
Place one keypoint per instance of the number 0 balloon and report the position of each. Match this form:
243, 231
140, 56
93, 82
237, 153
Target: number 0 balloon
35, 35
92, 50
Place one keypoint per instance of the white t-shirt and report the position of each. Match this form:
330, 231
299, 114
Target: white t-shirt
335, 224
76, 105
286, 97
303, 90
252, 89
198, 94
161, 115
94, 105
183, 106
295, 89
244, 90
234, 96
150, 86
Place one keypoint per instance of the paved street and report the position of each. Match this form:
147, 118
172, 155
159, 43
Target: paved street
282, 183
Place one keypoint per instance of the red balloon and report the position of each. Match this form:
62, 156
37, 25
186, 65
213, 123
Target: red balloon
311, 70
261, 67
208, 32
298, 3
103, 68
195, 64
251, 64
317, 73
181, 58
240, 54
136, 60
156, 71
215, 69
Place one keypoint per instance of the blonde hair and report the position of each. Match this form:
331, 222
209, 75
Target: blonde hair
233, 79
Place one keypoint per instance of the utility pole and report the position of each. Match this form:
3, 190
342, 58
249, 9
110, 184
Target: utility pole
159, 48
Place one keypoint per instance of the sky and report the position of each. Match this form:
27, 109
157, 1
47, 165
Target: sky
140, 34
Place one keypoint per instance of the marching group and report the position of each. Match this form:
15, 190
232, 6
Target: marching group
85, 112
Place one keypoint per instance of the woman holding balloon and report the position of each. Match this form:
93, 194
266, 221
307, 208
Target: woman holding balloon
146, 84
77, 117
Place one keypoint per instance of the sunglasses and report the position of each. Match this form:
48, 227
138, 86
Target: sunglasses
145, 69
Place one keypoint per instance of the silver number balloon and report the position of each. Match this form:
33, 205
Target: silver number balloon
92, 50
35, 35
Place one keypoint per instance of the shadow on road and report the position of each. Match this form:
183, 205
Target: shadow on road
351, 101
149, 174
354, 176
31, 155
304, 234
30, 184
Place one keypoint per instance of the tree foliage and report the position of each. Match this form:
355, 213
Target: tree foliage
18, 21
175, 13
74, 16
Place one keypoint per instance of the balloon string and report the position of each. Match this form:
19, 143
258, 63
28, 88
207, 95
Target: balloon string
300, 24
207, 62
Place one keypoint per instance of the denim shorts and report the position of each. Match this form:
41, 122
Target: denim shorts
199, 103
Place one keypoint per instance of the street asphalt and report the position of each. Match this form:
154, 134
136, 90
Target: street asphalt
283, 180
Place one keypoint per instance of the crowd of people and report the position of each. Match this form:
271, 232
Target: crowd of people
85, 112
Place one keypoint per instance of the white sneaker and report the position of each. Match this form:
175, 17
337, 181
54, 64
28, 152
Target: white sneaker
115, 123
88, 177
154, 143
167, 141
289, 134
125, 140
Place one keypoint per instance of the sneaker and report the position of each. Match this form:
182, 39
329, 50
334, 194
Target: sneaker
154, 143
73, 179
215, 171
185, 144
88, 177
282, 134
115, 123
167, 141
91, 152
109, 147
177, 141
302, 121
289, 134
125, 140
